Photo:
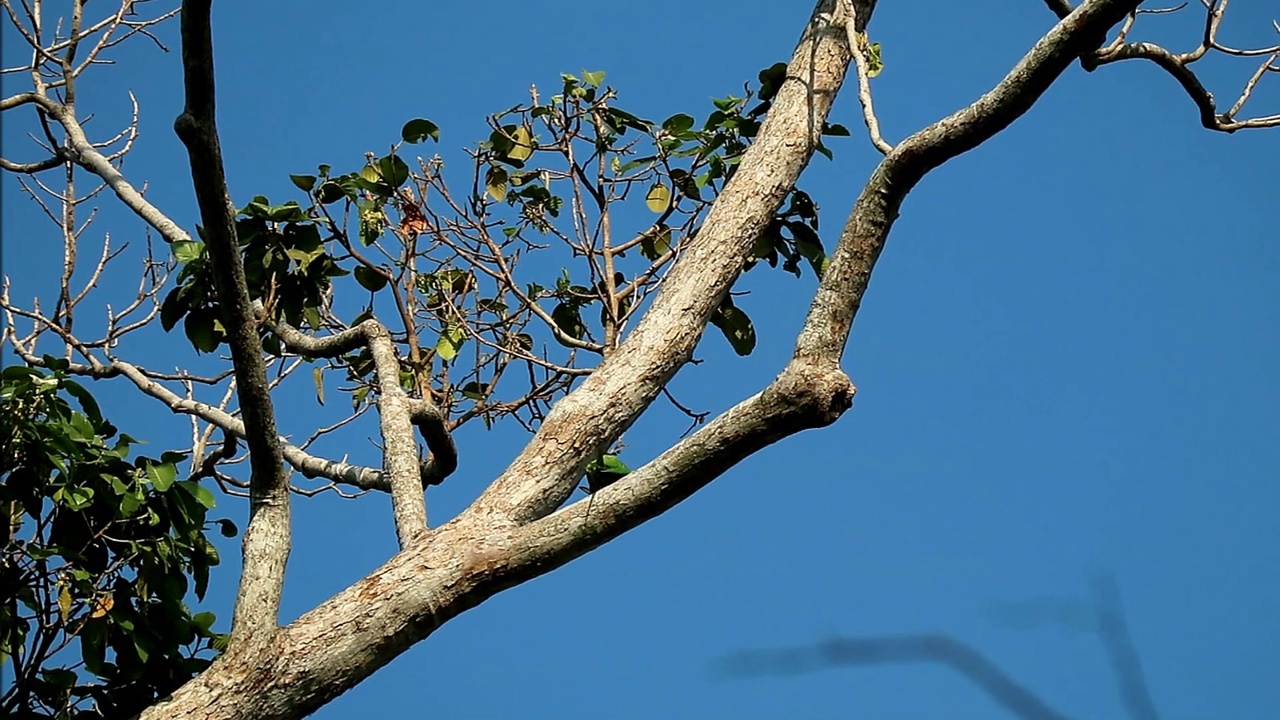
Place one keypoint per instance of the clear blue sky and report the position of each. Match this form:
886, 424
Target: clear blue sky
1062, 368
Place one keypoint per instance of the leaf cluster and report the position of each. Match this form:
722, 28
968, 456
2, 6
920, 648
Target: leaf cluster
99, 555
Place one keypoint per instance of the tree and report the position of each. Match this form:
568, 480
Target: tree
264, 280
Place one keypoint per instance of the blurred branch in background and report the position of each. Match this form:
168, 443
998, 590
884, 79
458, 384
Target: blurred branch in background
1103, 615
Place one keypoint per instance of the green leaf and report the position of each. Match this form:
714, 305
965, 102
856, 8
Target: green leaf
198, 492
90, 406
736, 327
450, 342
226, 527
656, 244
187, 250
161, 475
370, 279
677, 124
809, 246
204, 621
312, 316
93, 646
622, 120
330, 192
202, 329
417, 130
521, 144
658, 198
569, 321
394, 171
726, 104
288, 212
495, 183
593, 79
305, 183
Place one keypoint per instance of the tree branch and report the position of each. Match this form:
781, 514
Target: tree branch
398, 414
1179, 69
826, 329
311, 466
267, 537
928, 648
593, 416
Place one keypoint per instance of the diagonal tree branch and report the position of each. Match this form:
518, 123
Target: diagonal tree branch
590, 418
267, 536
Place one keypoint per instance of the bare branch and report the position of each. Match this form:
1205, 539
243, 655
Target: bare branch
310, 466
1178, 66
858, 41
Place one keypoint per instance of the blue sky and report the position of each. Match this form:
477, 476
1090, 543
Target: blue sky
1062, 369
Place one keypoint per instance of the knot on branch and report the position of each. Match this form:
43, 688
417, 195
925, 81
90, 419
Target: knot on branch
818, 392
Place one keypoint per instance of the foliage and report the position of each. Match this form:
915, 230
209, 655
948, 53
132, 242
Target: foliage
527, 268
99, 554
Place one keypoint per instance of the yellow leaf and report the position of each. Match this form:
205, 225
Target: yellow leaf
103, 606
658, 198
523, 149
64, 603
495, 183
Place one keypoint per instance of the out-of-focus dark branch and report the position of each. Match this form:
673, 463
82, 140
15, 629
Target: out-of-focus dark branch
896, 649
1113, 631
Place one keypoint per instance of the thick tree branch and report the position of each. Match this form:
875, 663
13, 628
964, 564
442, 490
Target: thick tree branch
266, 539
417, 591
587, 420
